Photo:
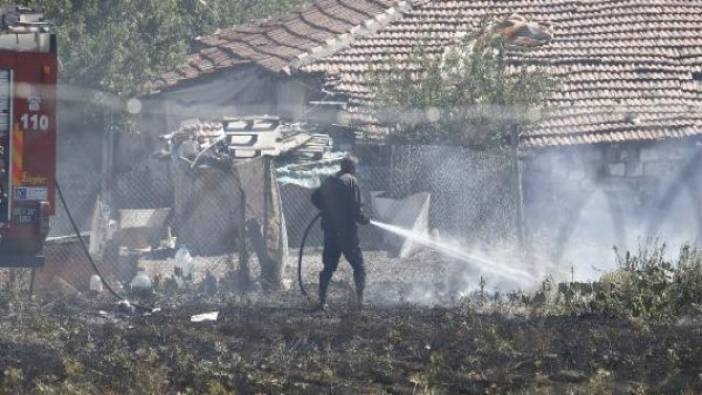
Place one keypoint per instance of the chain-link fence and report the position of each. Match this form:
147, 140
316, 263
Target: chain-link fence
143, 230
473, 194
159, 206
474, 202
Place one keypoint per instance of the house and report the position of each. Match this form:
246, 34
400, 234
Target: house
621, 144
255, 69
246, 71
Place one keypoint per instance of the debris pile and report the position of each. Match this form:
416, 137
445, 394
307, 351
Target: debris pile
203, 143
224, 178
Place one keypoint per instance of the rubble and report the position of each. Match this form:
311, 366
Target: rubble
212, 316
204, 142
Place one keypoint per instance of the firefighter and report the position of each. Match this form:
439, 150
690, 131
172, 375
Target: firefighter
339, 200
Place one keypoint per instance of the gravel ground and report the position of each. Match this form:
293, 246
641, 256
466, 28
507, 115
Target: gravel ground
425, 278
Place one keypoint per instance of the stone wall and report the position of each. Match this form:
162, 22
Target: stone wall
614, 194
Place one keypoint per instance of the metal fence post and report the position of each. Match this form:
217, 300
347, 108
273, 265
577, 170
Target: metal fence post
518, 190
108, 143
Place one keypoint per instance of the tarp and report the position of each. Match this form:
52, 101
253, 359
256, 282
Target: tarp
310, 174
141, 228
411, 212
209, 203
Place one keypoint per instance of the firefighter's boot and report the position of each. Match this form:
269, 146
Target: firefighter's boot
360, 282
359, 298
323, 286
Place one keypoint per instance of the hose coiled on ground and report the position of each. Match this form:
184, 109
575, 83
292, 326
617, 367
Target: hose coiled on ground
302, 250
87, 253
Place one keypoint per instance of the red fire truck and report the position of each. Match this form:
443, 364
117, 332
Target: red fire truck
28, 62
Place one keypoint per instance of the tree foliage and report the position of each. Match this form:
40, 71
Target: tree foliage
205, 16
108, 50
468, 95
118, 45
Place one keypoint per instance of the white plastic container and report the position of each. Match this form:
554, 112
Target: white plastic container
141, 282
184, 262
170, 239
96, 284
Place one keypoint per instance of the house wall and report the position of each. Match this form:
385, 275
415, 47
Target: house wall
590, 198
143, 181
243, 91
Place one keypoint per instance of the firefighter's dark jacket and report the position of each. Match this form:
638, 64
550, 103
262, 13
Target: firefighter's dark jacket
339, 200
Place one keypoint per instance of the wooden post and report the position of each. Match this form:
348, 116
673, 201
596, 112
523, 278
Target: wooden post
107, 250
32, 278
244, 273
270, 268
392, 177
266, 197
107, 167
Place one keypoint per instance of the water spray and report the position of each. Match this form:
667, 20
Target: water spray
495, 268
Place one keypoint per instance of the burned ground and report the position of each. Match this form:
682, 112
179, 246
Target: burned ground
634, 331
265, 348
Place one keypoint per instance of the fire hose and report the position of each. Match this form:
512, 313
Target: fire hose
302, 250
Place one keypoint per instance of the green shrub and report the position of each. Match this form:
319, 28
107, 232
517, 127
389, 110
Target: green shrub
646, 285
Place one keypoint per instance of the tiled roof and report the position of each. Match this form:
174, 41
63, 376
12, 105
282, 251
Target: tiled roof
625, 66
316, 31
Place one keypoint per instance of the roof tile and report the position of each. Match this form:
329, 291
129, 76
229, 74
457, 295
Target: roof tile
624, 65
613, 58
274, 43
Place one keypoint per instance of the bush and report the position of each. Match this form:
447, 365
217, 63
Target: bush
647, 285
470, 94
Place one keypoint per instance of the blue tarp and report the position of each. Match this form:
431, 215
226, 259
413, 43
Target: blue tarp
309, 175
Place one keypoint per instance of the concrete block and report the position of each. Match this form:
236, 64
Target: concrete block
657, 168
587, 185
678, 150
638, 200
617, 169
613, 153
629, 154
560, 172
650, 154
591, 154
677, 166
568, 189
634, 169
676, 153
541, 164
611, 184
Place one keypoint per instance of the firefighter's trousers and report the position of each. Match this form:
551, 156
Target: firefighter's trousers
333, 249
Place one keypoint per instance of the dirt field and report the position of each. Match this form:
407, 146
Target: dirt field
400, 344
69, 348
426, 278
